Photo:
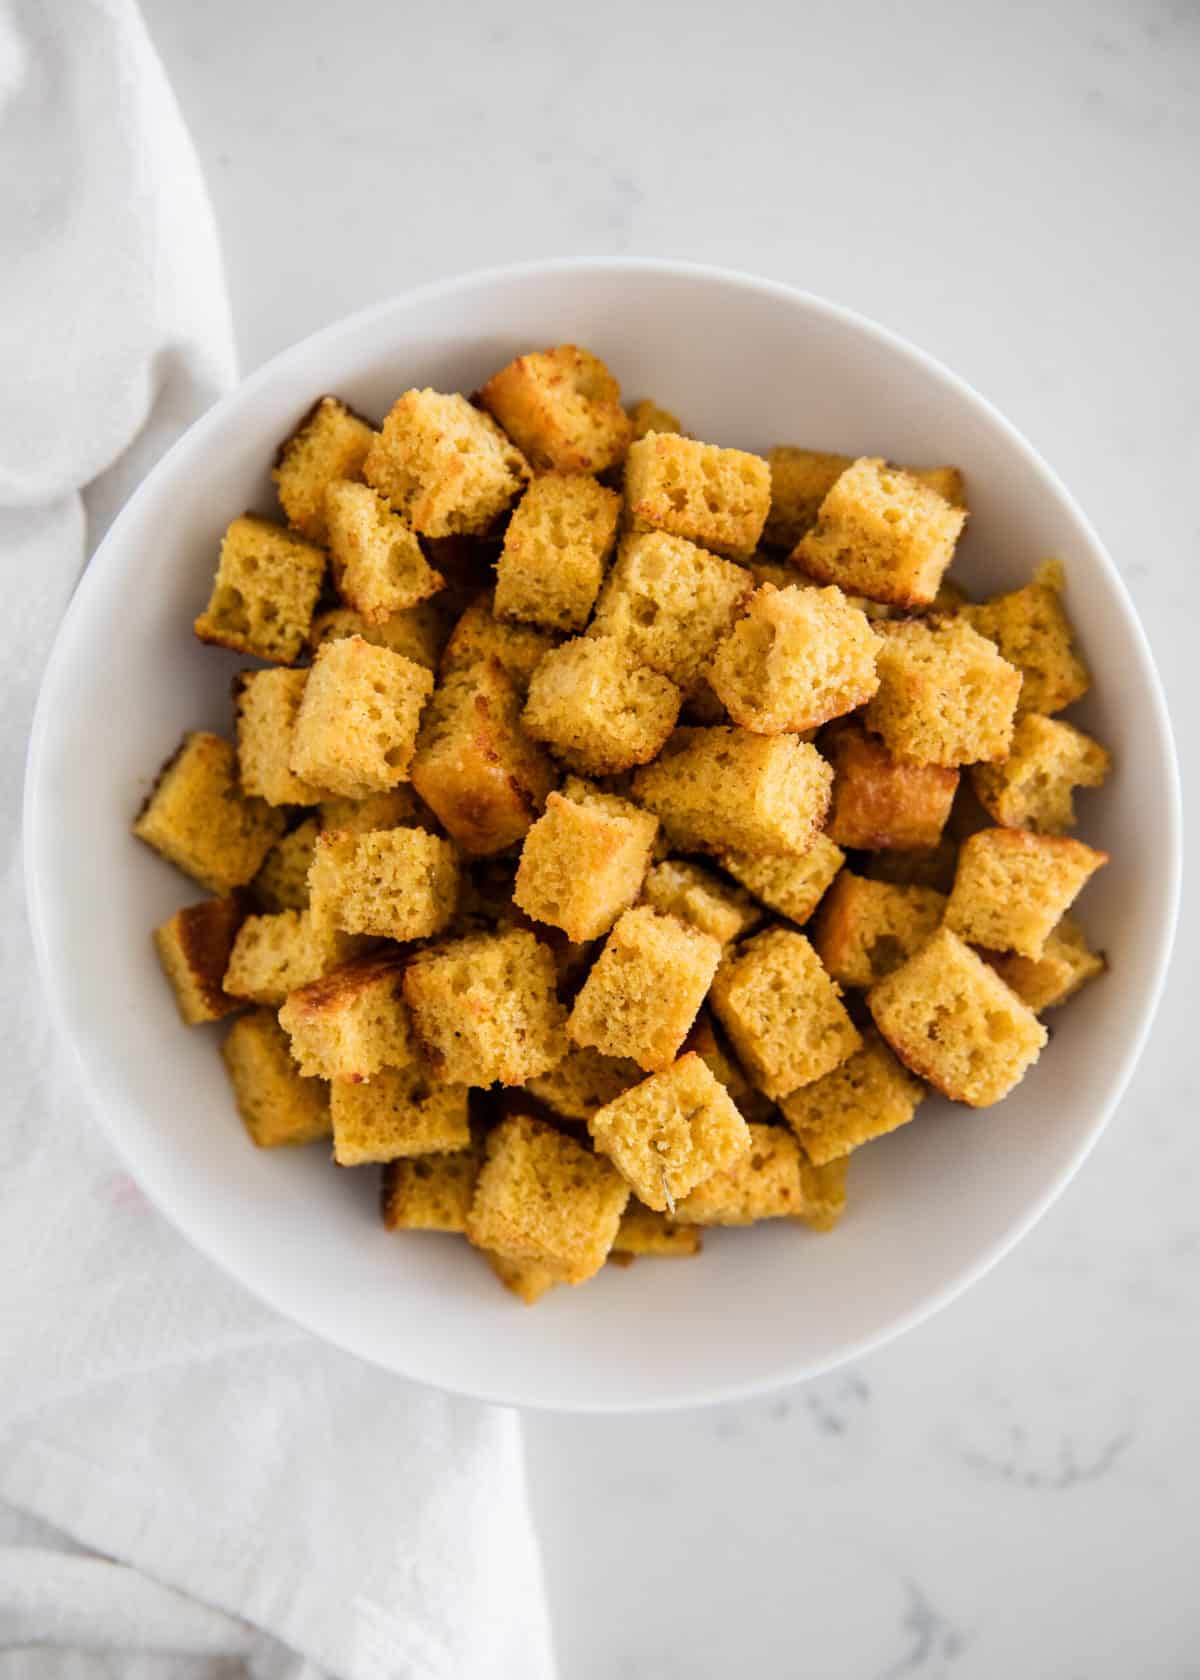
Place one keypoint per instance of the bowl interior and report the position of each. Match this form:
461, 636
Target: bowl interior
744, 363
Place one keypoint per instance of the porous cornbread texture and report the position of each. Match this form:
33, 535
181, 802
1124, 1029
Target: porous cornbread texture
644, 989
647, 416
724, 790
444, 467
282, 881
800, 481
865, 929
1034, 786
562, 408
644, 1232
881, 533
397, 807
266, 587
542, 1197
671, 1132
583, 1082
331, 442
399, 1111
274, 954
357, 724
791, 886
763, 1183
870, 1095
583, 862
193, 948
265, 706
376, 561
276, 1103
416, 632
1031, 629
953, 1021
1011, 888
429, 1192
678, 887
715, 497
945, 695
1067, 962
823, 1189
880, 803
352, 1022
783, 1012
485, 1008
555, 550
197, 818
400, 883
479, 635
597, 709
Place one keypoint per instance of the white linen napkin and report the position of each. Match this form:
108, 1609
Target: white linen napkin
260, 1504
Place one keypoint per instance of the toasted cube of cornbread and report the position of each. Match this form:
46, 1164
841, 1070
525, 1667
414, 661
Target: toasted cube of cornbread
399, 883
795, 659
197, 818
644, 989
273, 955
400, 1111
526, 1279
583, 1082
445, 467
357, 724
824, 1191
485, 1008
727, 790
474, 765
555, 550
597, 709
265, 705
671, 1132
562, 408
1032, 631
783, 1012
1033, 787
397, 807
718, 498
264, 593
277, 1104
945, 695
878, 802
800, 481
351, 1022
865, 929
1011, 888
881, 533
583, 862
479, 635
376, 561
870, 1095
429, 1192
647, 416
763, 1183
282, 882
416, 632
193, 948
791, 886
703, 1040
1067, 962
697, 895
954, 1022
643, 1232
331, 442
669, 603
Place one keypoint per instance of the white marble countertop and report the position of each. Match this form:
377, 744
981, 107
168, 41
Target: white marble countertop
1013, 1488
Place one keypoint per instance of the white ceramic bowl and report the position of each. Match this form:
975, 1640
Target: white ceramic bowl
747, 363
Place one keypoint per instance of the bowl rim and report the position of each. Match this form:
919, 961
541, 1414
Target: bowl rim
1169, 843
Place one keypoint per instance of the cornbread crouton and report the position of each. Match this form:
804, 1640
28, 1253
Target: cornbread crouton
669, 603
400, 883
1067, 962
647, 416
282, 882
331, 442
429, 1192
543, 1197
401, 1111
397, 807
718, 498
800, 481
265, 706
1011, 888
955, 1023
193, 948
352, 1022
357, 723
277, 1104
879, 803
479, 635
881, 533
763, 1183
583, 863
1032, 631
945, 695
1032, 788
562, 408
475, 766
699, 896
824, 1191
264, 593
795, 659
273, 955
671, 1132
783, 1012
643, 1232
727, 790
870, 1095
523, 1278
197, 818
865, 929
597, 709
376, 561
485, 1008
644, 989
791, 886
703, 1041
445, 468
416, 632
583, 1082
555, 550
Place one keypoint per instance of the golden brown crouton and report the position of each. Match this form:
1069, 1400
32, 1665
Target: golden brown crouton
401, 1111
1032, 631
277, 1105
878, 802
643, 1232
671, 1132
1033, 787
398, 807
870, 1095
727, 790
273, 955
823, 1189
883, 534
266, 705
720, 1061
1012, 888
197, 818
282, 882
193, 947
597, 709
791, 886
485, 1008
718, 498
330, 442
800, 481
429, 1192
677, 887
644, 988
357, 723
351, 1022
401, 883
945, 695
555, 551
763, 1183
416, 632
479, 635
445, 467
865, 929
647, 416
1067, 962
583, 1082
583, 863
562, 408
264, 593
377, 564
